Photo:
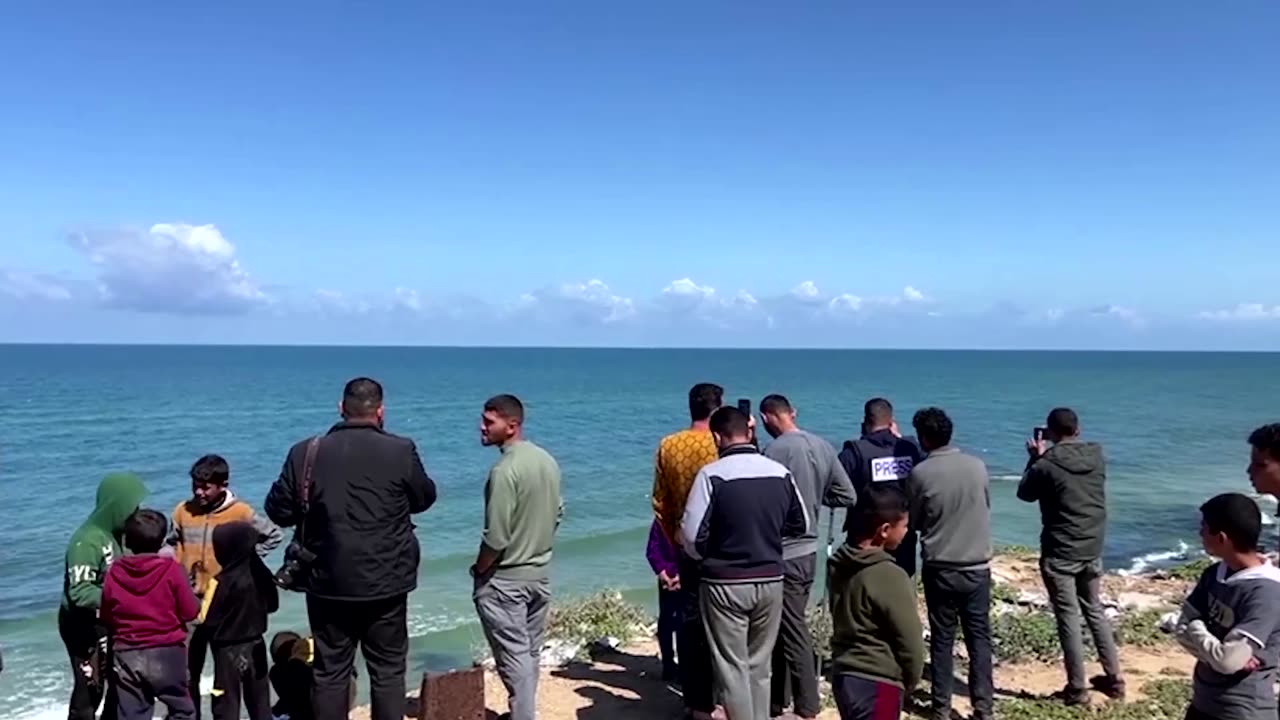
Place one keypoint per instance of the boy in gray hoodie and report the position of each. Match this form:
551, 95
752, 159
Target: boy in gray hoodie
877, 645
1231, 620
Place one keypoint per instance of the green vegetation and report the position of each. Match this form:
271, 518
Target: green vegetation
1142, 629
819, 618
1164, 700
1001, 593
606, 614
1190, 571
1019, 636
1019, 552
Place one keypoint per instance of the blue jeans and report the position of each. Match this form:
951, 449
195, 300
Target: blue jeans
151, 674
960, 597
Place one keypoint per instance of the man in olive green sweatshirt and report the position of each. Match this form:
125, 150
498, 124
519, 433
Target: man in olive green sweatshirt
877, 644
92, 549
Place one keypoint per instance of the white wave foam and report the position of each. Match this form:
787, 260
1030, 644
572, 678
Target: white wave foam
1007, 477
1143, 563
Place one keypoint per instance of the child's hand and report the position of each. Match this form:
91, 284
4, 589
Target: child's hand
1253, 664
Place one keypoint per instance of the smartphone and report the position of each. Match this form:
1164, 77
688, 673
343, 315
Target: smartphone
744, 405
1038, 434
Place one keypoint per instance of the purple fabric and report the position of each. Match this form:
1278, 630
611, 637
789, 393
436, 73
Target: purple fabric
660, 553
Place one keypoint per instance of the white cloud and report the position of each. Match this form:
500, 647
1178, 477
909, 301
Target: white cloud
684, 287
170, 268
1118, 312
1244, 312
580, 302
807, 291
31, 286
846, 303
913, 295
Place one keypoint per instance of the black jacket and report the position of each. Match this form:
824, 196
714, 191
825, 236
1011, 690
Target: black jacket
245, 592
365, 486
882, 458
1069, 482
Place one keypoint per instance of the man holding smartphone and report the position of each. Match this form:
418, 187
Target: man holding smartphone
1068, 480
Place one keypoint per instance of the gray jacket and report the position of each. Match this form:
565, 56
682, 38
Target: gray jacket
819, 477
951, 507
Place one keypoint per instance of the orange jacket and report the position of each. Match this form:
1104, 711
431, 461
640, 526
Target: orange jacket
192, 535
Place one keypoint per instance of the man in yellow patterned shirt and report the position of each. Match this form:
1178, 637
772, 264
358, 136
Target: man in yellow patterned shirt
680, 456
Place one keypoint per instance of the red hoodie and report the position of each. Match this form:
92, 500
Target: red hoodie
147, 602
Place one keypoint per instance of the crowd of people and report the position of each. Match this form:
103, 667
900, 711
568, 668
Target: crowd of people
734, 546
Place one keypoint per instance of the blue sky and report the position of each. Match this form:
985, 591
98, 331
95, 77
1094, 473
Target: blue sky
764, 174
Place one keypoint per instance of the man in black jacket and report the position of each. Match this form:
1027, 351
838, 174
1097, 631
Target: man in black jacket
884, 458
1069, 481
353, 492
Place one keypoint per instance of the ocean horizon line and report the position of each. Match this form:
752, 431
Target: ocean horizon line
657, 348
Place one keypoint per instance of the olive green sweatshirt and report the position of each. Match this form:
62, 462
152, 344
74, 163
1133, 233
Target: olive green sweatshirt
97, 542
876, 632
522, 509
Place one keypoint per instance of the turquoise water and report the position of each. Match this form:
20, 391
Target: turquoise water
1174, 426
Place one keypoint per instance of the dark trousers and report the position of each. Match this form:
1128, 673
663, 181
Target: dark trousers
695, 654
240, 675
795, 668
197, 648
962, 596
858, 698
89, 652
1075, 590
905, 554
670, 618
145, 676
380, 628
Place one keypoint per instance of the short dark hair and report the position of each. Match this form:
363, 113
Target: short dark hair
362, 397
933, 427
1236, 516
775, 404
877, 505
704, 398
729, 421
507, 406
211, 469
878, 411
1063, 421
145, 530
1267, 439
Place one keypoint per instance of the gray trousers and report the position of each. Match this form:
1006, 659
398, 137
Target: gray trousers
1074, 590
742, 625
513, 614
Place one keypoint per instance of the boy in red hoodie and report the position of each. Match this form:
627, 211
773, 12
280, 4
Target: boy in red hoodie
147, 603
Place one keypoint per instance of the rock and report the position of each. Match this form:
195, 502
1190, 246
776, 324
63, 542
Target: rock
1112, 613
558, 653
605, 646
1032, 599
1140, 601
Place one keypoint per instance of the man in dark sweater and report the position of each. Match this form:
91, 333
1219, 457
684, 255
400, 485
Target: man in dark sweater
951, 507
1068, 480
881, 456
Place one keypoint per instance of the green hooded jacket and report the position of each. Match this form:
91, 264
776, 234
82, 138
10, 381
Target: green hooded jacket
97, 542
876, 633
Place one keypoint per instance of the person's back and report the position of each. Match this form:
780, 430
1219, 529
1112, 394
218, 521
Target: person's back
147, 603
951, 508
815, 467
352, 493
1069, 482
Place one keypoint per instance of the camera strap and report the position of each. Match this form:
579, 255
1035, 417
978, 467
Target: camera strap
304, 488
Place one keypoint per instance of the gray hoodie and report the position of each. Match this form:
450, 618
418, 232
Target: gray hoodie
1069, 482
820, 478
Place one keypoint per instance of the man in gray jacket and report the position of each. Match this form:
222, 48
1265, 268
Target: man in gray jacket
820, 478
1069, 481
951, 507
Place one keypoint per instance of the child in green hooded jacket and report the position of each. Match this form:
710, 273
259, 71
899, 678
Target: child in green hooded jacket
94, 545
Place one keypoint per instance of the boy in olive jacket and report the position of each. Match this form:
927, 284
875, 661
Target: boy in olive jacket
877, 644
93, 547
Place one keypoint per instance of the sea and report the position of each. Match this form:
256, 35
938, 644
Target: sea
1174, 426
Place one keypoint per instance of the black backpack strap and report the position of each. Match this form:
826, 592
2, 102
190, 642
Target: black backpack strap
304, 485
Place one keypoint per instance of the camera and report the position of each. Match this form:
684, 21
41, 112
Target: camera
293, 571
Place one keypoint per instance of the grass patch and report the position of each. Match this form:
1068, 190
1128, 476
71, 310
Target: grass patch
1190, 571
605, 614
1020, 636
1142, 629
1019, 552
1165, 700
820, 626
1001, 593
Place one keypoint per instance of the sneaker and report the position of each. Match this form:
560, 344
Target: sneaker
1112, 687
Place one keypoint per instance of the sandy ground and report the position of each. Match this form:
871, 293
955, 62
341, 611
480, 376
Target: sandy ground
627, 685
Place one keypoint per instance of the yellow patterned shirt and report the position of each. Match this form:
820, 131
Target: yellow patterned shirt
680, 456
